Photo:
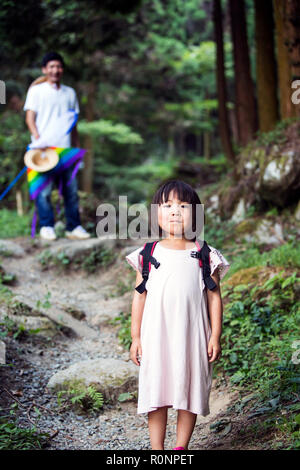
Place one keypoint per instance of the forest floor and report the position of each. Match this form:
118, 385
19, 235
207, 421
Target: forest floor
32, 360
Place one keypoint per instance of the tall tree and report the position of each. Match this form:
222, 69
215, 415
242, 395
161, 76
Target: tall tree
221, 83
293, 40
293, 36
287, 108
244, 87
266, 73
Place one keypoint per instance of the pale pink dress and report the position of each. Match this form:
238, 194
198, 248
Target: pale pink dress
175, 331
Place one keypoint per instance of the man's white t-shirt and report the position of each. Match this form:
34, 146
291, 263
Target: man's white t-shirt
50, 103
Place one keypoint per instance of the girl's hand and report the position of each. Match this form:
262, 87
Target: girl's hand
214, 349
136, 351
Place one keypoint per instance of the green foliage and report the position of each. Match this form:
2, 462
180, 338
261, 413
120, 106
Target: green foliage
260, 326
156, 67
80, 396
14, 437
124, 334
46, 303
13, 225
290, 428
136, 181
127, 396
276, 135
14, 139
216, 233
6, 278
287, 255
9, 327
119, 133
98, 257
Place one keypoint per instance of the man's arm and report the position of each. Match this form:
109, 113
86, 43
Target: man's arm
30, 121
75, 137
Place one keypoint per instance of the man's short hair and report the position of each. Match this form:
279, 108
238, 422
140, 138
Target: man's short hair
52, 56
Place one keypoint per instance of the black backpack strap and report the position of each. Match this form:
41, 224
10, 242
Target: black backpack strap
203, 255
148, 259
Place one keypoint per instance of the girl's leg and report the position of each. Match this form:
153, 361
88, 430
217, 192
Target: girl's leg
157, 422
185, 426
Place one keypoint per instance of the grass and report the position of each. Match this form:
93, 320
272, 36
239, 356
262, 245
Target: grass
13, 225
287, 255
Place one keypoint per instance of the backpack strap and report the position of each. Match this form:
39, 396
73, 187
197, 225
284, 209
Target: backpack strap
204, 261
147, 260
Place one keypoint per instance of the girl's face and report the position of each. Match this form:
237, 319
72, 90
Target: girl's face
175, 216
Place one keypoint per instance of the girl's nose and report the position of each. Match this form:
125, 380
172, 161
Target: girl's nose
175, 210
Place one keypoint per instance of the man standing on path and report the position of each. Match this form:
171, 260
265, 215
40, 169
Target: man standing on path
45, 102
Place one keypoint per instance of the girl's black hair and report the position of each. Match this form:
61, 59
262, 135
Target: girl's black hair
184, 193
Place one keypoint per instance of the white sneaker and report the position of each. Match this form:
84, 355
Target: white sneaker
78, 233
47, 233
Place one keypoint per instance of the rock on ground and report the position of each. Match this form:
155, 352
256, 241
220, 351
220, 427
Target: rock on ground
10, 248
109, 376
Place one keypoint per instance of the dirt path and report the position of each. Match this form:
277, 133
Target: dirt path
116, 427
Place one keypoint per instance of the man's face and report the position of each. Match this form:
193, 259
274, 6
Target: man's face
53, 71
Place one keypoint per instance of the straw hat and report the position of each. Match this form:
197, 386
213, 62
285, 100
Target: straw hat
39, 80
41, 159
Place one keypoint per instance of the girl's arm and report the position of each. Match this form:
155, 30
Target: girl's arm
137, 310
215, 311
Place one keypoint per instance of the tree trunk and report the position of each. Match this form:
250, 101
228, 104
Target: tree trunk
87, 175
206, 140
244, 88
293, 35
287, 108
221, 84
265, 66
198, 144
171, 146
19, 202
293, 40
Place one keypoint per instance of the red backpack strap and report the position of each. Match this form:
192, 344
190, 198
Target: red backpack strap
151, 253
199, 249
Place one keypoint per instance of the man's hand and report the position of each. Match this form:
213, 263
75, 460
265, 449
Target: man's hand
214, 349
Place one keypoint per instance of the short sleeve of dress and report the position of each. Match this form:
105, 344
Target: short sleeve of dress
219, 262
134, 259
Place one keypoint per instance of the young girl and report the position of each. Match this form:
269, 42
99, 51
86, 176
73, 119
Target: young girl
176, 322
